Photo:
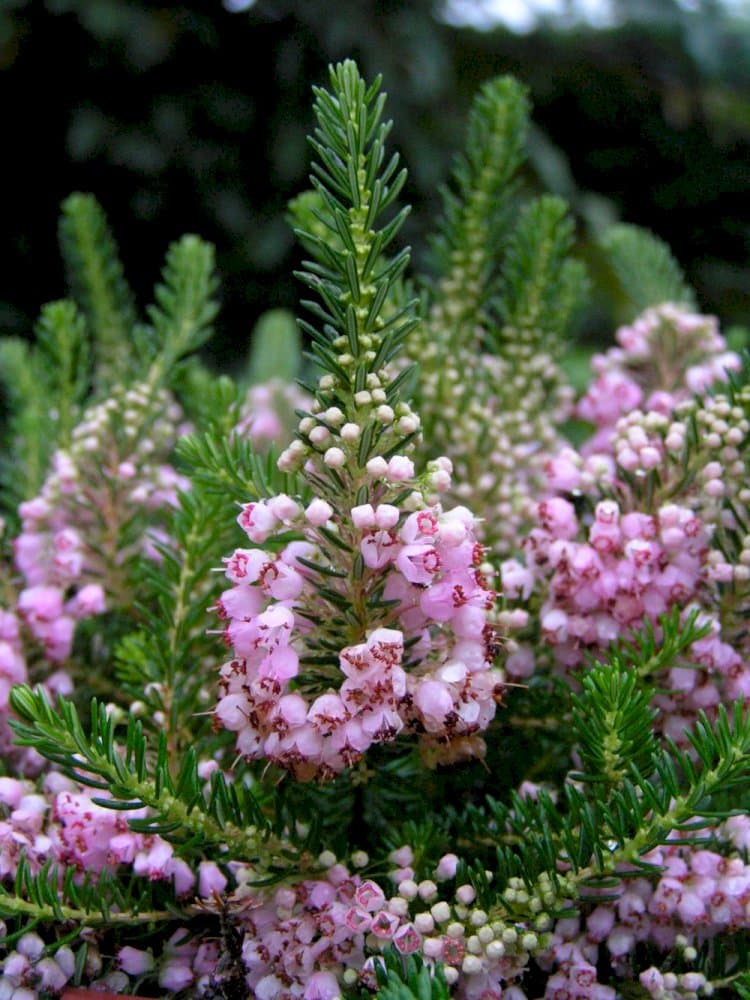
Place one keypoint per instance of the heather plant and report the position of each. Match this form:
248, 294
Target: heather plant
417, 678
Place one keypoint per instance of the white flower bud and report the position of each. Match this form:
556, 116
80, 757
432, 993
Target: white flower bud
350, 432
377, 467
334, 458
319, 434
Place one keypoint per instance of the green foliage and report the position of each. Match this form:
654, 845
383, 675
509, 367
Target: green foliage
645, 268
97, 281
63, 350
226, 466
613, 725
407, 978
46, 385
351, 336
30, 432
276, 349
136, 774
54, 896
540, 286
652, 650
476, 209
164, 663
643, 810
182, 316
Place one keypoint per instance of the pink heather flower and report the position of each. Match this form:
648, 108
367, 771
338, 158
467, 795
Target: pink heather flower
284, 508
322, 986
517, 580
363, 517
419, 563
386, 515
400, 468
175, 975
318, 512
608, 397
407, 939
211, 879
244, 565
258, 521
369, 896
41, 603
558, 516
562, 472
134, 961
384, 924
447, 867
89, 600
378, 548
434, 702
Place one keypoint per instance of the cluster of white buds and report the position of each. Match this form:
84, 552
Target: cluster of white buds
337, 437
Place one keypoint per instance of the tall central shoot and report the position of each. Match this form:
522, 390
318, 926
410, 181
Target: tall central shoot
359, 612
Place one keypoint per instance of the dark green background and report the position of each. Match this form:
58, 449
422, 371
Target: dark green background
185, 117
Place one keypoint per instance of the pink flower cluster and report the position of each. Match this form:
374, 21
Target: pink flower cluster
12, 669
699, 895
73, 540
425, 565
65, 825
50, 555
631, 568
267, 414
664, 356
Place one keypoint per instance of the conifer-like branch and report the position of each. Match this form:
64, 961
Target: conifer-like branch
136, 775
352, 335
184, 307
645, 268
30, 432
407, 978
54, 895
97, 280
540, 285
476, 209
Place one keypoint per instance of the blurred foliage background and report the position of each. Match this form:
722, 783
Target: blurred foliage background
192, 117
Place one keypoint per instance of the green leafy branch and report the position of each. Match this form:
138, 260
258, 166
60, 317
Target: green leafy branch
98, 283
540, 285
645, 268
135, 776
52, 895
184, 310
164, 663
652, 650
476, 209
407, 978
352, 335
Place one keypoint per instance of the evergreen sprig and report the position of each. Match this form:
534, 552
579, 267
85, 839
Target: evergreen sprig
476, 208
55, 895
30, 432
540, 285
98, 283
613, 724
352, 335
226, 466
408, 978
600, 837
184, 308
165, 662
63, 348
645, 268
651, 650
137, 775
